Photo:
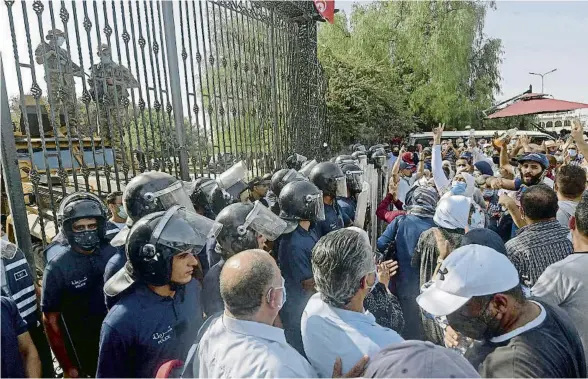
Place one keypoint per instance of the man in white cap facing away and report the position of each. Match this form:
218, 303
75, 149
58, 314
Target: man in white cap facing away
478, 290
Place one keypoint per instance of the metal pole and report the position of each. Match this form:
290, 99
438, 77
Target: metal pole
169, 26
11, 175
277, 148
542, 83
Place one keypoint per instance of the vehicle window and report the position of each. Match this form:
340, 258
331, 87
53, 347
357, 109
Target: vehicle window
100, 155
39, 160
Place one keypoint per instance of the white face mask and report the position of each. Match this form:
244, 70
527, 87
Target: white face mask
572, 153
59, 41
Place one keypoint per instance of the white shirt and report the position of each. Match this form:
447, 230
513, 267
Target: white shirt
232, 348
404, 186
565, 284
329, 332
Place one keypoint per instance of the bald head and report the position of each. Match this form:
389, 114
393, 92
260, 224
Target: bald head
245, 279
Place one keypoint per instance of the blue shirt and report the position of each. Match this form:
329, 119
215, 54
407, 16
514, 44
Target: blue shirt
329, 332
294, 255
73, 285
333, 219
114, 265
12, 326
348, 206
212, 302
406, 231
144, 330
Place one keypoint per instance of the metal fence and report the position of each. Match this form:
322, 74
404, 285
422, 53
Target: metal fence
100, 91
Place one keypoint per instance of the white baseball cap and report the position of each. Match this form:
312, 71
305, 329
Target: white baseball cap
472, 270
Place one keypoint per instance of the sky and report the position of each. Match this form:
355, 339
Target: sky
538, 36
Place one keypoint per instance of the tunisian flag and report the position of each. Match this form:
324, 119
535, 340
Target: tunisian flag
326, 8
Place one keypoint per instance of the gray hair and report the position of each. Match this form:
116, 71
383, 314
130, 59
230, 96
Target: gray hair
243, 295
339, 261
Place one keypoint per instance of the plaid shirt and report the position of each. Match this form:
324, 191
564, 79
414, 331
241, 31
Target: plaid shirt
537, 246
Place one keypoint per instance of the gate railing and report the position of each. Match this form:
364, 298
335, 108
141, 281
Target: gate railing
100, 91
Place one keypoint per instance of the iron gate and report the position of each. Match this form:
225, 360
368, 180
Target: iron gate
101, 91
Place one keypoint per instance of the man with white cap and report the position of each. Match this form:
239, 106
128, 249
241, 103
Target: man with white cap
478, 290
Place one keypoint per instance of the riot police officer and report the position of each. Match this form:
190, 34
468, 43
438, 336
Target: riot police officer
72, 285
354, 179
329, 178
244, 227
158, 318
279, 180
203, 197
301, 204
295, 161
149, 192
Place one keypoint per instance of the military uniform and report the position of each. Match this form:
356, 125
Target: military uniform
59, 73
109, 83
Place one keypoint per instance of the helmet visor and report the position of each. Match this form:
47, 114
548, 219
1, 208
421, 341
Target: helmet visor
341, 186
183, 230
300, 158
354, 180
236, 173
264, 222
316, 206
292, 175
308, 168
175, 194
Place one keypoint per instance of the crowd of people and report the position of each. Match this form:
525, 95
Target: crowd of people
479, 271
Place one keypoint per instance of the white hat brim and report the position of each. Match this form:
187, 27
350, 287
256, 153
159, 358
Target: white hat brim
440, 303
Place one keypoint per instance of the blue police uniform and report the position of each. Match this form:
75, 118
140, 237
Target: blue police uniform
348, 206
212, 302
73, 285
18, 283
212, 256
294, 255
144, 330
333, 219
114, 265
12, 326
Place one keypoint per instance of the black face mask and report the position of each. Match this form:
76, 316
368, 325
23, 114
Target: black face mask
87, 240
534, 180
481, 327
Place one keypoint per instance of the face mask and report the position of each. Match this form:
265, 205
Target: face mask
283, 297
482, 327
5, 237
458, 188
59, 41
105, 59
572, 153
488, 193
121, 212
87, 240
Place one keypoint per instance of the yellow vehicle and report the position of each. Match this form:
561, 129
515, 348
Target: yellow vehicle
41, 212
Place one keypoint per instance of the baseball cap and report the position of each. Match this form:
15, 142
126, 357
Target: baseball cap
472, 270
404, 165
419, 359
535, 157
407, 157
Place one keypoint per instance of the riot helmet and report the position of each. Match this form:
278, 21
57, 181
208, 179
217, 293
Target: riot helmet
329, 178
307, 167
243, 224
361, 157
283, 177
358, 147
295, 161
202, 196
301, 201
153, 242
378, 158
232, 181
78, 206
354, 177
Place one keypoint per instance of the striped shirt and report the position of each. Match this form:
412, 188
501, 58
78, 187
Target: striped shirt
537, 246
18, 284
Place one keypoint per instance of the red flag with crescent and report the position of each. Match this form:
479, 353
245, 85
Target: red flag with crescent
326, 8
